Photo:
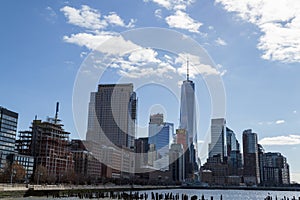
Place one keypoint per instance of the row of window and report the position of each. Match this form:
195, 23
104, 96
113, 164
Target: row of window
6, 139
7, 133
9, 147
9, 118
14, 128
5, 121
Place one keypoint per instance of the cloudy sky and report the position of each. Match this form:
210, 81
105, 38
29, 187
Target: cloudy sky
253, 47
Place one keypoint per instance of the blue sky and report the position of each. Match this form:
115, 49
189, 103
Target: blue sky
256, 53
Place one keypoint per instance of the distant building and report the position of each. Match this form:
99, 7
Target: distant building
188, 122
261, 152
218, 138
86, 165
8, 149
162, 163
160, 134
27, 162
251, 162
118, 163
152, 155
50, 147
48, 143
177, 162
215, 171
181, 138
224, 163
112, 115
112, 128
141, 153
8, 130
275, 170
234, 156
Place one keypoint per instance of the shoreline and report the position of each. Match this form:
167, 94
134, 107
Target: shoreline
63, 190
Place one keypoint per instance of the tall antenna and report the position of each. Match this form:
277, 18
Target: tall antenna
187, 69
56, 113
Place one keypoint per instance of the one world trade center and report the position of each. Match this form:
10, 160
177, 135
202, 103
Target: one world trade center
188, 122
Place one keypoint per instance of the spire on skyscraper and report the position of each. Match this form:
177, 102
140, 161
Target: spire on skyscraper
187, 69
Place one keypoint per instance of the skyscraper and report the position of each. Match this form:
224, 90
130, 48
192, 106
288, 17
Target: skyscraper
160, 138
160, 134
218, 138
234, 156
176, 162
8, 148
275, 169
8, 130
188, 121
112, 128
112, 115
251, 162
180, 138
141, 149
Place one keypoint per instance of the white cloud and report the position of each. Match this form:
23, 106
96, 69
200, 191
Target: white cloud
173, 4
146, 55
89, 40
144, 62
220, 42
279, 23
179, 17
85, 17
182, 20
281, 121
90, 18
195, 66
115, 19
295, 111
281, 140
105, 42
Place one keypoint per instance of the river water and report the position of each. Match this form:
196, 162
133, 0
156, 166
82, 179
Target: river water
216, 194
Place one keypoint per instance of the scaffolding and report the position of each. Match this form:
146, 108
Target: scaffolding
48, 143
50, 147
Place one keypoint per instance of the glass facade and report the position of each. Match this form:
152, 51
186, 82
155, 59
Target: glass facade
112, 115
159, 135
218, 138
8, 130
250, 153
8, 153
188, 112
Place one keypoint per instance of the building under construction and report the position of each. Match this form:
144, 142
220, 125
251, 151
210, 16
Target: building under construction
48, 143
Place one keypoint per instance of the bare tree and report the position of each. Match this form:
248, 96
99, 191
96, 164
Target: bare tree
40, 174
5, 173
68, 176
18, 172
51, 179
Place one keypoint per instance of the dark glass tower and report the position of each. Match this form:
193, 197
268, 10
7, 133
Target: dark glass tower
112, 115
251, 163
8, 130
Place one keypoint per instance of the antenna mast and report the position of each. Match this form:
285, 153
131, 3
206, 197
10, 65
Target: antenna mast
187, 69
56, 113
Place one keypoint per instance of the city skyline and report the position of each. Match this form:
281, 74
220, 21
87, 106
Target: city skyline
259, 68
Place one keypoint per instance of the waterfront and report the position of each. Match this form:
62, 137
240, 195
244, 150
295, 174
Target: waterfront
208, 193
